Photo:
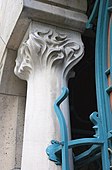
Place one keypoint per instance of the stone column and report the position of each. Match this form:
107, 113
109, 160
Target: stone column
45, 59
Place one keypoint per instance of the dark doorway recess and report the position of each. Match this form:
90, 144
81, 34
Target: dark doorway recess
82, 95
83, 92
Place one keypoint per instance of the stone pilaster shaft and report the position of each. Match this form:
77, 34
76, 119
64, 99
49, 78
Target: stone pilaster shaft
45, 59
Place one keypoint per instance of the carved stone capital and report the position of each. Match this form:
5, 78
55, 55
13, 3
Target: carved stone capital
47, 50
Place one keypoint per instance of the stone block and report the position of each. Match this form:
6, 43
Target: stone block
11, 131
55, 15
19, 131
10, 11
10, 84
8, 119
76, 5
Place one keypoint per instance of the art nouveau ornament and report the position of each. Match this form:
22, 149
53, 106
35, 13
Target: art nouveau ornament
49, 50
45, 59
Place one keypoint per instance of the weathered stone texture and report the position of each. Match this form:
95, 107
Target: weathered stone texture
12, 106
9, 13
11, 114
77, 4
10, 83
8, 108
19, 131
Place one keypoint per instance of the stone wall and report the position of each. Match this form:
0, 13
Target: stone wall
12, 105
9, 13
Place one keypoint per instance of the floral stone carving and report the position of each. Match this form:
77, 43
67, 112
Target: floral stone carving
47, 50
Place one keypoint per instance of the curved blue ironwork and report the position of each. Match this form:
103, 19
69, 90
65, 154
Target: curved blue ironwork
64, 134
93, 15
63, 128
56, 147
102, 120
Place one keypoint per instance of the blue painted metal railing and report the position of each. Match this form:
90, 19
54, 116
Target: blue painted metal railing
58, 151
102, 120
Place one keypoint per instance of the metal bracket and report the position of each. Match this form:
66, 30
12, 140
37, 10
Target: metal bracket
52, 152
97, 124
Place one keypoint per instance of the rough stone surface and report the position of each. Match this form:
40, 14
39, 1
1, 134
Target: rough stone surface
12, 106
55, 15
73, 4
10, 11
19, 32
11, 114
19, 131
8, 108
64, 13
10, 83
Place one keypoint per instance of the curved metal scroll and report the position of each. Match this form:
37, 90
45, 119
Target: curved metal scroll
102, 120
51, 150
56, 147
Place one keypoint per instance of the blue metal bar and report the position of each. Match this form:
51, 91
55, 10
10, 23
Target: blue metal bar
63, 146
111, 48
109, 8
93, 15
101, 44
107, 72
109, 89
84, 141
104, 67
110, 111
88, 153
106, 79
63, 128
